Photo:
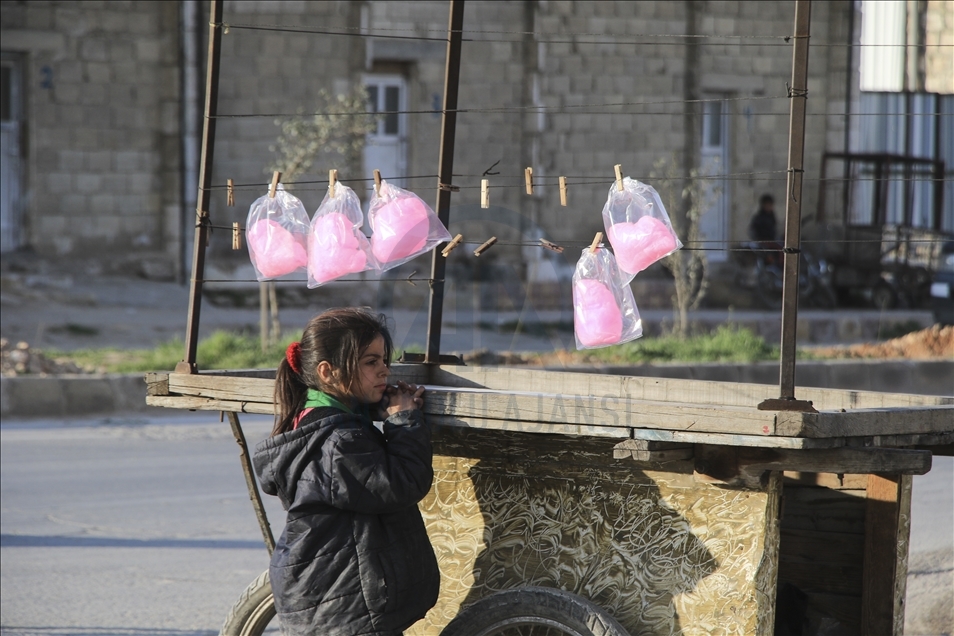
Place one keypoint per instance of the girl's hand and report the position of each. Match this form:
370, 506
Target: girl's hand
403, 397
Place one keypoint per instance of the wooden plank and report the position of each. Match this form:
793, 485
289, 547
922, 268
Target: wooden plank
814, 546
157, 383
621, 387
192, 403
616, 432
835, 481
747, 467
650, 445
663, 389
652, 452
728, 439
831, 578
594, 411
868, 422
820, 509
882, 516
228, 388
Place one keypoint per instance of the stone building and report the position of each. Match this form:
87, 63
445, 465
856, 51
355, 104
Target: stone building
102, 108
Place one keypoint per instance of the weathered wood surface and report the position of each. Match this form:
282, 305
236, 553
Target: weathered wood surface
652, 452
867, 422
191, 403
887, 518
685, 411
747, 466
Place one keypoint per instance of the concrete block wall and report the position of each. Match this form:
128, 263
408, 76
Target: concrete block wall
105, 148
101, 102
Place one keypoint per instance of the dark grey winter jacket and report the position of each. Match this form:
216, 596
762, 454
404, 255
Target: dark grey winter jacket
354, 557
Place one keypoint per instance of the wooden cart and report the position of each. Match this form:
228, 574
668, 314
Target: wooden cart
675, 505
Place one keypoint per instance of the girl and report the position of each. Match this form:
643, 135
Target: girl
354, 557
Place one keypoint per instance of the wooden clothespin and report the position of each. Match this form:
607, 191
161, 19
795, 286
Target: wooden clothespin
230, 196
619, 176
485, 193
276, 176
596, 242
485, 246
377, 182
563, 191
332, 180
528, 177
236, 235
553, 247
450, 246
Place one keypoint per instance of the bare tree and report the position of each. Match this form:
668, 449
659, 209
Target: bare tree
687, 200
338, 128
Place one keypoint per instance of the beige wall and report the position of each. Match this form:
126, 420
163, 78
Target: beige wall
102, 156
104, 151
939, 54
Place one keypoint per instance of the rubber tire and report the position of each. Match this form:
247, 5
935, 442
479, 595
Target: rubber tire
252, 613
534, 606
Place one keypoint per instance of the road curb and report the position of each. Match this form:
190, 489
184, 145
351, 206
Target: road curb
74, 395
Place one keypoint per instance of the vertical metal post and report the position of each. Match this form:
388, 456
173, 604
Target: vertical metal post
187, 365
435, 312
250, 482
793, 208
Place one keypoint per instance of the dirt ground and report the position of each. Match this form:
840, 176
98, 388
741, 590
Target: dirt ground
933, 342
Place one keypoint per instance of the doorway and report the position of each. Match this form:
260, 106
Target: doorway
386, 146
714, 160
11, 173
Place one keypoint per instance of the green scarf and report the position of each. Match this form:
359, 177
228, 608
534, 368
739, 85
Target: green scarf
318, 398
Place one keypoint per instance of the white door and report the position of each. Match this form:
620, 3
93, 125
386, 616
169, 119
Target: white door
714, 160
11, 225
386, 147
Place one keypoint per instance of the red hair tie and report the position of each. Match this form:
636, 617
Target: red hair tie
293, 357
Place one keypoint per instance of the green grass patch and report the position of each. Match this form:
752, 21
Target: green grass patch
228, 350
221, 350
725, 344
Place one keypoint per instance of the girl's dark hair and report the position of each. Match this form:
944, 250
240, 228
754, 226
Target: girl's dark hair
338, 336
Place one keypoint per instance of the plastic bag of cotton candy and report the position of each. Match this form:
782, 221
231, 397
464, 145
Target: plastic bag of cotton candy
604, 312
277, 233
402, 226
637, 227
336, 245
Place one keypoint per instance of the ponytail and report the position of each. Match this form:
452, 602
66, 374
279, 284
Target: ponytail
290, 397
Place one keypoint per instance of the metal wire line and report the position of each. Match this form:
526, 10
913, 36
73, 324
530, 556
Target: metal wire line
506, 109
342, 30
786, 40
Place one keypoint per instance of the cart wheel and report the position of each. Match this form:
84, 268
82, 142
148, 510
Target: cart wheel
537, 610
254, 613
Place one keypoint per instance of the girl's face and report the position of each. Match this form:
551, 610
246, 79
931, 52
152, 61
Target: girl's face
373, 372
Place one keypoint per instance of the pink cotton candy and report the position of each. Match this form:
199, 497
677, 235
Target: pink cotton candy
334, 248
597, 318
638, 245
275, 251
400, 229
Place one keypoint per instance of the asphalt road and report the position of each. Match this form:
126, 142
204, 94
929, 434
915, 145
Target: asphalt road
142, 526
